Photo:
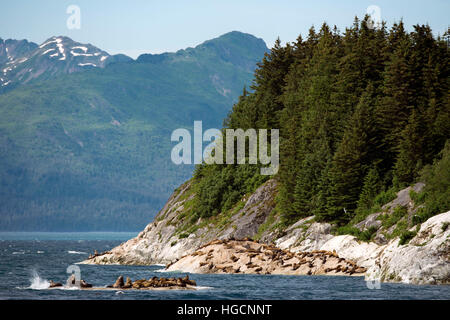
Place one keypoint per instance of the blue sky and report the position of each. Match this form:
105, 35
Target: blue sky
135, 27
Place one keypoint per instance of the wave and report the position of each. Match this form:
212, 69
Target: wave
203, 288
18, 252
76, 252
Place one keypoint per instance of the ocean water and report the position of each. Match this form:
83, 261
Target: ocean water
29, 260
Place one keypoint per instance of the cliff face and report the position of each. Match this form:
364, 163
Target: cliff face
424, 260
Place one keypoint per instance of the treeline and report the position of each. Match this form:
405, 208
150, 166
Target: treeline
360, 113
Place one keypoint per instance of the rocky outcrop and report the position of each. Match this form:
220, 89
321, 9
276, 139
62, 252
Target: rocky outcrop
143, 284
155, 282
425, 259
250, 257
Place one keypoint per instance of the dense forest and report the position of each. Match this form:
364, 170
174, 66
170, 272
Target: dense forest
361, 113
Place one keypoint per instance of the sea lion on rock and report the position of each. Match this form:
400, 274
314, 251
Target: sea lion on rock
181, 283
55, 284
234, 258
119, 282
138, 283
84, 284
188, 281
128, 284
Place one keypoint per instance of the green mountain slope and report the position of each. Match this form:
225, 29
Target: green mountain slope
91, 150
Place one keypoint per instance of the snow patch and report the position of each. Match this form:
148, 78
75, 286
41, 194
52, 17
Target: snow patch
47, 51
81, 47
87, 64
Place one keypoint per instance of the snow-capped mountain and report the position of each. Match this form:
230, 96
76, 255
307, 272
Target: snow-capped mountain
23, 61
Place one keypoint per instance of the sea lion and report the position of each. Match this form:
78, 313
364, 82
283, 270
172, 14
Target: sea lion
128, 284
119, 282
55, 284
84, 284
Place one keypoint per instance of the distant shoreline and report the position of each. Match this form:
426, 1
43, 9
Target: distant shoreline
71, 235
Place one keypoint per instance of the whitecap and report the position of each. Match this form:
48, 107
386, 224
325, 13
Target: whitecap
76, 252
203, 288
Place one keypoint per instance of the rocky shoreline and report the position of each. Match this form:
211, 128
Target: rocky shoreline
424, 260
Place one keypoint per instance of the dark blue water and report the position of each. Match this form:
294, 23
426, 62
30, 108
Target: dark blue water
28, 260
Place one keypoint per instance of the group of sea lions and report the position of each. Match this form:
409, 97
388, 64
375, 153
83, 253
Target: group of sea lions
71, 282
248, 256
154, 282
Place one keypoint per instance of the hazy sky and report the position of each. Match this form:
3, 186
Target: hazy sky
135, 27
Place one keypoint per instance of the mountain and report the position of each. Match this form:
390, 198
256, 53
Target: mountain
22, 61
91, 150
11, 50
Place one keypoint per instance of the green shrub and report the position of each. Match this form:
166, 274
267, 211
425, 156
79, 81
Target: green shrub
385, 197
388, 220
365, 235
418, 198
406, 236
368, 234
183, 235
436, 194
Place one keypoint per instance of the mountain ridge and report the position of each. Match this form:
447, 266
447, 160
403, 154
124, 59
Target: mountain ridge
91, 150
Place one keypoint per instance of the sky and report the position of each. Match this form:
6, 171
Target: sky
155, 26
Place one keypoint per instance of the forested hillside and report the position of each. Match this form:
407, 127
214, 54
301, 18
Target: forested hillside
362, 113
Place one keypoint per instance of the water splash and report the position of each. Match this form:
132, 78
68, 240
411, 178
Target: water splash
38, 283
